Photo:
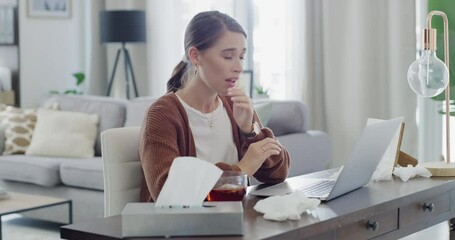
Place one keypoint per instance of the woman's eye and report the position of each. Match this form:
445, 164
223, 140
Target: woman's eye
228, 58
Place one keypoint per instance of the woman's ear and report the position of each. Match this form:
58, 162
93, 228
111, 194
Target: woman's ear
193, 55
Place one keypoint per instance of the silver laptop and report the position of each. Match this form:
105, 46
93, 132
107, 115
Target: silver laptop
357, 171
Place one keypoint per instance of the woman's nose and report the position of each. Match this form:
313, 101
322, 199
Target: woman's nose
238, 67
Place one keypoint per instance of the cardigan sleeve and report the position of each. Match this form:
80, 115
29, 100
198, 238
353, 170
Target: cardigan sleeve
159, 146
275, 168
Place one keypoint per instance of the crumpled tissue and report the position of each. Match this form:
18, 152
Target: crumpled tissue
281, 208
405, 173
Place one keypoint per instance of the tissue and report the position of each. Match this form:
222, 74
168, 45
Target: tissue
405, 173
281, 208
189, 181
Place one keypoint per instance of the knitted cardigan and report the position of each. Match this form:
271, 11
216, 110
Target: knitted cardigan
166, 134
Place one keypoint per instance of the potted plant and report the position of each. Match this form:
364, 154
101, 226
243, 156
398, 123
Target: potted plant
261, 92
79, 78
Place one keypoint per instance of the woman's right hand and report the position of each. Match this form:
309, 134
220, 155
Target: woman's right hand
257, 153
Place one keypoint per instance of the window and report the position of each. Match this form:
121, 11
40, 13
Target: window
269, 46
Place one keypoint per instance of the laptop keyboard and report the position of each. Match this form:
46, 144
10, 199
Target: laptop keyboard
320, 188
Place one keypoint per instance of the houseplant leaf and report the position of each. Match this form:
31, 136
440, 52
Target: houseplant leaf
80, 77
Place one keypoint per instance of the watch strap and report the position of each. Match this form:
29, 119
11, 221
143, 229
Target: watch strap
254, 130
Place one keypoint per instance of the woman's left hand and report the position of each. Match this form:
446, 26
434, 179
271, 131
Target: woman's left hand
243, 110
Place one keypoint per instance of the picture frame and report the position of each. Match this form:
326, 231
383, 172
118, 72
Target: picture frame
8, 25
49, 8
246, 82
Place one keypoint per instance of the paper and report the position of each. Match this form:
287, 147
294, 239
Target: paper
188, 183
385, 167
405, 173
286, 207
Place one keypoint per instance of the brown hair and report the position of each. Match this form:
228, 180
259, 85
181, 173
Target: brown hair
202, 32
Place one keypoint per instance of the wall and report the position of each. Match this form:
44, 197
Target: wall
50, 51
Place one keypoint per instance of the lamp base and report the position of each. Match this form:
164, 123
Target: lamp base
440, 169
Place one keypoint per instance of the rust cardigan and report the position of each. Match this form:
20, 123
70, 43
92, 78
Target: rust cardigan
166, 134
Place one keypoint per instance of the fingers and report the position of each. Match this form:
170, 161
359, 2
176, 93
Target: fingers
239, 97
236, 91
268, 147
271, 146
257, 153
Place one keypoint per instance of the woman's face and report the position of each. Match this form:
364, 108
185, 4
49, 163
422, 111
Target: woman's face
220, 66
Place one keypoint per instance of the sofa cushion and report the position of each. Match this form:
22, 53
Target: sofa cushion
19, 125
287, 116
136, 109
85, 173
31, 169
264, 111
64, 134
111, 111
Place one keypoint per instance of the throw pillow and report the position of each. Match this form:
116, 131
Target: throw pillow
264, 111
64, 134
19, 125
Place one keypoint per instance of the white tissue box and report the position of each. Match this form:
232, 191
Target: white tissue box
215, 218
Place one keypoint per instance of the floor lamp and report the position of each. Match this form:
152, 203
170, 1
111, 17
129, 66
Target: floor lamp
123, 26
428, 76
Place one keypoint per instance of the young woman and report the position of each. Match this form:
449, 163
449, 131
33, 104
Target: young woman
205, 115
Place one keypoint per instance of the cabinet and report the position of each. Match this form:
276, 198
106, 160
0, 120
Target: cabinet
371, 226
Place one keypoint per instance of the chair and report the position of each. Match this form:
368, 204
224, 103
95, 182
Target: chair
121, 168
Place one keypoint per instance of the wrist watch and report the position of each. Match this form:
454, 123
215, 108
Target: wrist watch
255, 130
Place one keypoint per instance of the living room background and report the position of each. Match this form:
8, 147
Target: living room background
346, 60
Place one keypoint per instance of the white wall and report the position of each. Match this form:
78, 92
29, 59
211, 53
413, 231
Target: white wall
50, 51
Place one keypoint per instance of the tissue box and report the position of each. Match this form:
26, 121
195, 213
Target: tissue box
215, 218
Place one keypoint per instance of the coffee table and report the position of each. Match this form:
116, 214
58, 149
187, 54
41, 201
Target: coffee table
20, 202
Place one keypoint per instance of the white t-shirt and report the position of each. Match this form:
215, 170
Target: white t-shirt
213, 144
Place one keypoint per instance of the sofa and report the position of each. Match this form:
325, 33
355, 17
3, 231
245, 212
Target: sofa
81, 179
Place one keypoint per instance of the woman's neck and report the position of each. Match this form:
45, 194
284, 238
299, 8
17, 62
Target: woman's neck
198, 100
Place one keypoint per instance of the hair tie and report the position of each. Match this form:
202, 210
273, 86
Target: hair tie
185, 59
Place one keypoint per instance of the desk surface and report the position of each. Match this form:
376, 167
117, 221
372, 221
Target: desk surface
336, 219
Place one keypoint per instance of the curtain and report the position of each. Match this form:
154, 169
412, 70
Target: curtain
358, 53
95, 53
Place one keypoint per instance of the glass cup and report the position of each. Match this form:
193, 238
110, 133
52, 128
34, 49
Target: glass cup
230, 187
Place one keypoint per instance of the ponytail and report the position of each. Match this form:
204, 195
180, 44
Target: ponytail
177, 80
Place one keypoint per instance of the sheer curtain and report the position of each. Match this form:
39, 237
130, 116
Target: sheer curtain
358, 53
94, 54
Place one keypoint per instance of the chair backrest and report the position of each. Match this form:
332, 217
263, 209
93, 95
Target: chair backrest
121, 168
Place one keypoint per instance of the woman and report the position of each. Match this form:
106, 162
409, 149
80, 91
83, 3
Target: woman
205, 115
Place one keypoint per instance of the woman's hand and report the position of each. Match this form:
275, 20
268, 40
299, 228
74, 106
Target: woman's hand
257, 153
243, 110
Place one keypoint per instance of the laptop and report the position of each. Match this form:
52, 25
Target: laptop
356, 172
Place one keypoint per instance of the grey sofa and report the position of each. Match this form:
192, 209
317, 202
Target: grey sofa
82, 179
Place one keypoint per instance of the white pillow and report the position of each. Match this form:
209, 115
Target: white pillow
64, 134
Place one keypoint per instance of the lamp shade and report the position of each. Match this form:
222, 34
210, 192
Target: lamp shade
122, 26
